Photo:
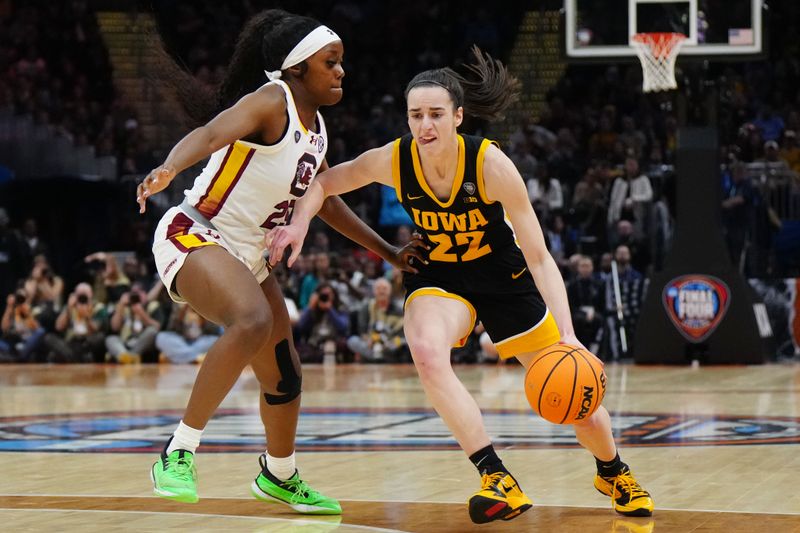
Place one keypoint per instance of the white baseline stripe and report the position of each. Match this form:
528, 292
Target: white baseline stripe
262, 518
789, 513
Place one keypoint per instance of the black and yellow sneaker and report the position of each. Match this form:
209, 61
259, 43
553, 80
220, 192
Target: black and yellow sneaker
500, 497
627, 496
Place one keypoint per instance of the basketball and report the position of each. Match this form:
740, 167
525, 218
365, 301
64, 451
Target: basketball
565, 384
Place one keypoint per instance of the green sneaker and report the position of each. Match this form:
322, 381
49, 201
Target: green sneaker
175, 476
293, 492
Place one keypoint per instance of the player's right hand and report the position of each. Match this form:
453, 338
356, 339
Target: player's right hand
156, 181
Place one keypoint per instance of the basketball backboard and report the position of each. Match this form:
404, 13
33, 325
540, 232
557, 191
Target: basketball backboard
597, 29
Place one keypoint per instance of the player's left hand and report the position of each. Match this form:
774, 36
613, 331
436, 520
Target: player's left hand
413, 252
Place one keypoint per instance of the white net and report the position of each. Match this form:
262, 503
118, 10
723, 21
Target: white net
658, 52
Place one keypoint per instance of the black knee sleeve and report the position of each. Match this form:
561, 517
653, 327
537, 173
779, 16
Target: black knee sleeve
291, 383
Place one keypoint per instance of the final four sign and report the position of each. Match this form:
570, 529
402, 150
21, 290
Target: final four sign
696, 304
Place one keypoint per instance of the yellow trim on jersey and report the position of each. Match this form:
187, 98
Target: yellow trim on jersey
192, 241
236, 160
396, 170
479, 169
441, 293
540, 336
457, 181
299, 120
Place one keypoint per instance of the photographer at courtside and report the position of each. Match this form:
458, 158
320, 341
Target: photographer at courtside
134, 326
21, 332
79, 335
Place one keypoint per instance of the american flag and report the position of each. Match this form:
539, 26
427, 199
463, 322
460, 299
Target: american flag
739, 36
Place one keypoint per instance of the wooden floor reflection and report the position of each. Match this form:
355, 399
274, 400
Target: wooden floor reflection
104, 513
696, 487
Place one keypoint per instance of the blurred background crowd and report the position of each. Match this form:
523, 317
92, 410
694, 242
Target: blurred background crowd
76, 274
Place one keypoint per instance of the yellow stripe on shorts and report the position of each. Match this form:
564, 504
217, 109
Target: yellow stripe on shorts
435, 291
540, 336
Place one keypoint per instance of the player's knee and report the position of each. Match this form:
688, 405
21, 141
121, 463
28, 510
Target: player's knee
290, 380
430, 358
253, 325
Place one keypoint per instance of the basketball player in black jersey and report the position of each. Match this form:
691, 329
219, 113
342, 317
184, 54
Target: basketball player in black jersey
459, 189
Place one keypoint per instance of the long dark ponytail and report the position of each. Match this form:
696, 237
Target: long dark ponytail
265, 41
486, 94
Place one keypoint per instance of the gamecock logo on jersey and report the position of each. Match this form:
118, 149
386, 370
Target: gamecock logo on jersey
696, 304
303, 175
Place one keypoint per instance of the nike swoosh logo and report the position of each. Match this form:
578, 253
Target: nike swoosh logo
507, 488
518, 274
414, 197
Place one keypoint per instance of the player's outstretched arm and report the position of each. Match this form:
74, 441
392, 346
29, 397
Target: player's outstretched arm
373, 165
248, 115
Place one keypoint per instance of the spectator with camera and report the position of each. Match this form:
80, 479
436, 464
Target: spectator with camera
379, 323
188, 336
44, 286
79, 335
134, 326
110, 282
323, 327
21, 332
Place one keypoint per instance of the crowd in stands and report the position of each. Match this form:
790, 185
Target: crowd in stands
55, 68
348, 305
598, 162
342, 303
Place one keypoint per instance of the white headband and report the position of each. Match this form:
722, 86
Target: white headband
307, 47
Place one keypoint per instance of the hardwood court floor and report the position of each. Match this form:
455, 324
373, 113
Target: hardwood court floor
717, 447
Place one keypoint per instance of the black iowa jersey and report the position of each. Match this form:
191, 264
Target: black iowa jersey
473, 247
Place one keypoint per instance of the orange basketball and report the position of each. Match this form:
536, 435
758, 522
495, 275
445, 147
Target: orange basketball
565, 384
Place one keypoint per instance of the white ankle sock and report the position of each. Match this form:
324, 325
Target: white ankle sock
281, 467
185, 438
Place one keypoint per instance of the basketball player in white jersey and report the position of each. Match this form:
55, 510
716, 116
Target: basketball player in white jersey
266, 145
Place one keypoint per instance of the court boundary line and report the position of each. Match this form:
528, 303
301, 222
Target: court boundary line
300, 521
436, 502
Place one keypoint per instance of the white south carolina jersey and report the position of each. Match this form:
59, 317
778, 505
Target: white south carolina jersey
253, 186
245, 190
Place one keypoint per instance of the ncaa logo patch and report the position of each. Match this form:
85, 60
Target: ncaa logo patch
469, 188
296, 136
696, 305
320, 144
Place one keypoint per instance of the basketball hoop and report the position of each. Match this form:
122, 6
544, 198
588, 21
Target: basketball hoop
658, 52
